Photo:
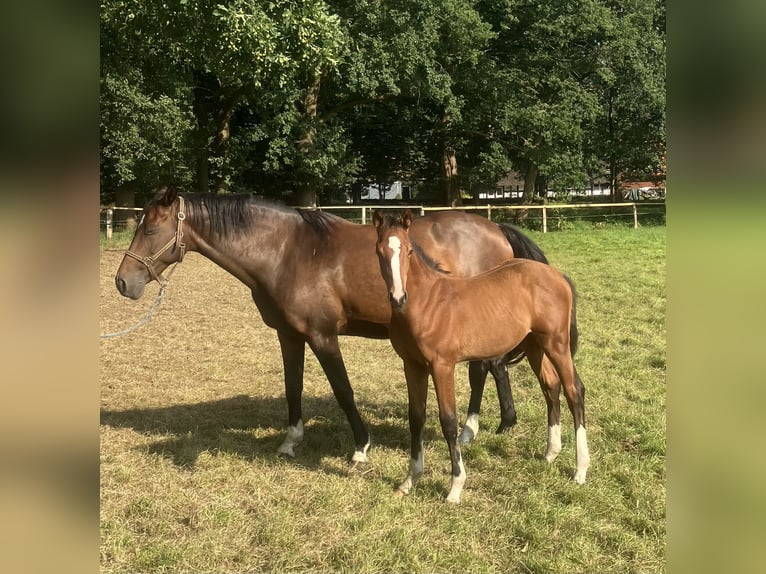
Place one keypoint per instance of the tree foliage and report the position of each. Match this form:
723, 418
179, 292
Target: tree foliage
308, 100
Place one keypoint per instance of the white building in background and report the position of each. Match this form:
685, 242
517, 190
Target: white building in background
512, 187
373, 191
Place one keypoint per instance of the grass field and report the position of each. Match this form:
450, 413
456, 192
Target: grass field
192, 412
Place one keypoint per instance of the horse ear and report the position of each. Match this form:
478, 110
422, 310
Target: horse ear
377, 218
406, 219
166, 195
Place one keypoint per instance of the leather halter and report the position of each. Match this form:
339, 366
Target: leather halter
150, 260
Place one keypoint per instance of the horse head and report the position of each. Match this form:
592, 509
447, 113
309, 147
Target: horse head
157, 243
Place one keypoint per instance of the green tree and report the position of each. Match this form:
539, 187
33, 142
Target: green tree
628, 135
228, 54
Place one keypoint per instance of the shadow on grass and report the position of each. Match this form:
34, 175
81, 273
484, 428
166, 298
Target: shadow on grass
231, 426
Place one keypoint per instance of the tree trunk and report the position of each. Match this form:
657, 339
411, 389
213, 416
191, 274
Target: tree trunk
203, 171
451, 188
201, 109
221, 147
306, 192
530, 181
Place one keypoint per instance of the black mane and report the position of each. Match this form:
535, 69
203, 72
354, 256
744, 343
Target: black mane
321, 222
227, 213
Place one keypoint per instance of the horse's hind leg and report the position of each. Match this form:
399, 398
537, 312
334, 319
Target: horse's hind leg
477, 377
327, 350
499, 369
551, 387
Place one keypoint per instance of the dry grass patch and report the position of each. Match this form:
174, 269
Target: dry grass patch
193, 409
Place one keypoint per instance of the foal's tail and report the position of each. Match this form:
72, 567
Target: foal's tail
574, 334
523, 248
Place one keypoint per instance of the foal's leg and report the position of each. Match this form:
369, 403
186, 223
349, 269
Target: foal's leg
293, 354
444, 382
327, 350
417, 392
574, 390
551, 388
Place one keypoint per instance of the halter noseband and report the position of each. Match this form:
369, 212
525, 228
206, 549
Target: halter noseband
150, 260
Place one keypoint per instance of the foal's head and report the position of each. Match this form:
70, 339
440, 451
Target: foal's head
394, 250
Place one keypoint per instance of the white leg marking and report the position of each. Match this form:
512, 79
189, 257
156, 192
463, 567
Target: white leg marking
294, 437
470, 429
456, 488
554, 443
396, 246
583, 456
361, 455
416, 471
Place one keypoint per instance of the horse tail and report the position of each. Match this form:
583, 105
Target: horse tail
574, 334
523, 247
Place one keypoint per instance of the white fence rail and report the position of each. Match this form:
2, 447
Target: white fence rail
365, 211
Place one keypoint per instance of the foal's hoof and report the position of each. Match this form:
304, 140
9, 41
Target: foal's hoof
398, 493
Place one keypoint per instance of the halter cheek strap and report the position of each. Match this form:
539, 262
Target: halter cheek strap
176, 240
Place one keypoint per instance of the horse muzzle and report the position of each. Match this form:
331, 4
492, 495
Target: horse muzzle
132, 290
397, 303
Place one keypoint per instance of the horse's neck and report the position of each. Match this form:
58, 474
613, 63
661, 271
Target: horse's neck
248, 255
422, 280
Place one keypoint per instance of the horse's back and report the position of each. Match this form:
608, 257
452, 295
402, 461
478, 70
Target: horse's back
464, 244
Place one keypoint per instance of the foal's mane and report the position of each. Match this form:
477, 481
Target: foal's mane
390, 221
427, 259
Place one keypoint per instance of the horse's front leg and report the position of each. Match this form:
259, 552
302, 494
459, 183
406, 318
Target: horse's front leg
417, 393
327, 350
444, 382
293, 354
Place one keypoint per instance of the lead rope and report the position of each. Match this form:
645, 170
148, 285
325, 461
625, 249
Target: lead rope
149, 313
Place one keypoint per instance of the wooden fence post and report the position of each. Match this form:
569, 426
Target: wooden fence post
635, 216
545, 219
109, 220
364, 215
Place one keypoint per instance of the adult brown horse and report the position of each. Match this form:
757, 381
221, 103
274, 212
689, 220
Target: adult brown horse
439, 320
313, 276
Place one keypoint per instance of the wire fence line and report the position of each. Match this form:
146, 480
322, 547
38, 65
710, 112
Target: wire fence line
543, 217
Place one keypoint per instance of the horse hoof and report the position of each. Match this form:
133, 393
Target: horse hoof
466, 437
579, 477
357, 467
286, 452
398, 493
505, 426
453, 499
